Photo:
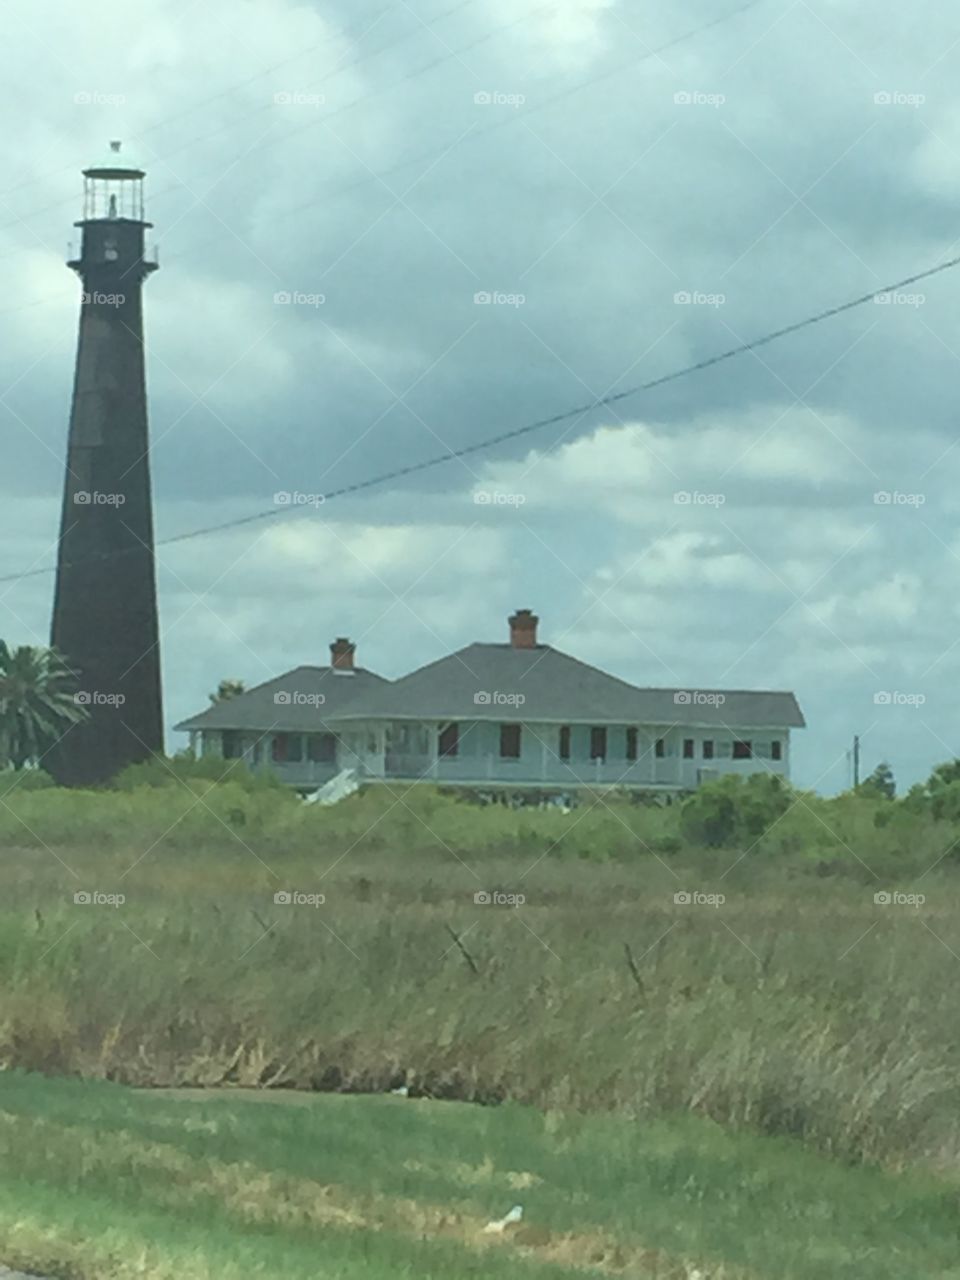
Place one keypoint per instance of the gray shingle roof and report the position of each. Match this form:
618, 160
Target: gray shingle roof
315, 694
559, 688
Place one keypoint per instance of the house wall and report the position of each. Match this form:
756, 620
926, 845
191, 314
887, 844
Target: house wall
410, 751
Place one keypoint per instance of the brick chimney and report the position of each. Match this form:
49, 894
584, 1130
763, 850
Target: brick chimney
523, 629
341, 654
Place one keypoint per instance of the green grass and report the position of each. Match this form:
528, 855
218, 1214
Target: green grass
798, 1008
99, 1180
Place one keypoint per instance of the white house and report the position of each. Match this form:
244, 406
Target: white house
515, 715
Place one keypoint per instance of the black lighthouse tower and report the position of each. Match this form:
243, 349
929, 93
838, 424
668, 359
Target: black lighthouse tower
105, 606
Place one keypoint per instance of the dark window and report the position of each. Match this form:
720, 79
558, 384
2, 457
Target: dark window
232, 745
565, 742
598, 744
449, 741
322, 748
292, 747
688, 748
742, 751
631, 744
708, 749
279, 747
660, 748
775, 750
510, 742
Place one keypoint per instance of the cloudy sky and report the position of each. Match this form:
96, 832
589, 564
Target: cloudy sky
389, 230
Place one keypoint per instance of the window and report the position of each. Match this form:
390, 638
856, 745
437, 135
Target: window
598, 744
448, 742
232, 745
631, 744
280, 747
776, 749
688, 748
723, 750
708, 748
564, 749
742, 751
321, 748
660, 748
509, 742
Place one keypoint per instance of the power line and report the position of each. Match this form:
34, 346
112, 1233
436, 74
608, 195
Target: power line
337, 34
492, 127
516, 433
268, 106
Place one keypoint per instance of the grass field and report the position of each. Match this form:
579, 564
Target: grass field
674, 1074
97, 1180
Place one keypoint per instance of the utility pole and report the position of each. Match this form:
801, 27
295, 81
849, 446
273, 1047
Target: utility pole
856, 760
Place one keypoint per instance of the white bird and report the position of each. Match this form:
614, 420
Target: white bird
499, 1225
402, 1092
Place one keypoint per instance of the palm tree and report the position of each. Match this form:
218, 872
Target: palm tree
228, 688
37, 703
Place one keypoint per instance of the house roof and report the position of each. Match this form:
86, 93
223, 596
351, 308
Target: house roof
486, 681
308, 697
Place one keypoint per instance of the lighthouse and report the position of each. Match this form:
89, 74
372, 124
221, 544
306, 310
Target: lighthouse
105, 603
